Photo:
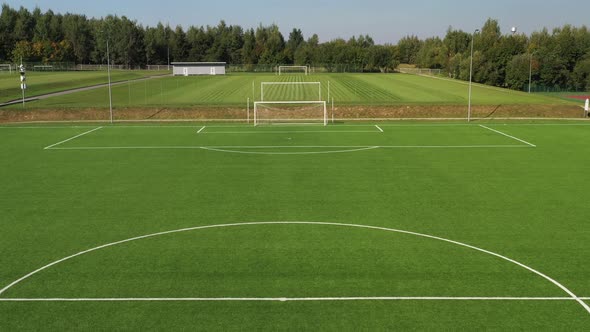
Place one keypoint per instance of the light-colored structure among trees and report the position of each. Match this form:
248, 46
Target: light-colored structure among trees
198, 68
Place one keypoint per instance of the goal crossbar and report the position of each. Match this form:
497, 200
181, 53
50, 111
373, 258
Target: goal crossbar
322, 104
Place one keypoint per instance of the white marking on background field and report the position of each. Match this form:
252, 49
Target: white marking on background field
155, 126
573, 296
288, 153
381, 130
288, 299
72, 138
509, 136
349, 148
201, 130
290, 132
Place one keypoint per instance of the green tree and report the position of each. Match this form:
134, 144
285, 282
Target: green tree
409, 47
295, 41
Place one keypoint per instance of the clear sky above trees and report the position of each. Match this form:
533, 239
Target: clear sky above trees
386, 21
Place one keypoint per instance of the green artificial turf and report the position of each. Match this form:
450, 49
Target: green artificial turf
345, 89
39, 83
522, 197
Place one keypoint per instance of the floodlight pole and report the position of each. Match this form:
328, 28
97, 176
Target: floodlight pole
471, 75
531, 71
109, 74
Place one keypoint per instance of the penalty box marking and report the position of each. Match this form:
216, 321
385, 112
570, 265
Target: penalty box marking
202, 131
509, 136
72, 138
363, 147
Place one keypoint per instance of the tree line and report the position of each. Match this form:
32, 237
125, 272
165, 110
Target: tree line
558, 58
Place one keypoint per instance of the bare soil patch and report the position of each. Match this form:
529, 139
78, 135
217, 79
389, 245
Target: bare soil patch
340, 112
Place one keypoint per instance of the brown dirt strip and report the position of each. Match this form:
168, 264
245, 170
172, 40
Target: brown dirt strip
340, 113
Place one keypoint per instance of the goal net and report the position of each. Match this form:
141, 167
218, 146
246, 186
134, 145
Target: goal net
293, 69
290, 112
290, 91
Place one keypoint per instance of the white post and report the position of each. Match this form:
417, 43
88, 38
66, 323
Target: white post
325, 115
23, 80
530, 72
255, 115
587, 107
109, 74
471, 76
248, 112
332, 110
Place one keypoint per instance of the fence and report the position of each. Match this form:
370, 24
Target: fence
420, 71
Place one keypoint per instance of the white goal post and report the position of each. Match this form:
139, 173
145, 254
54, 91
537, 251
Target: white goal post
290, 112
291, 84
9, 66
283, 69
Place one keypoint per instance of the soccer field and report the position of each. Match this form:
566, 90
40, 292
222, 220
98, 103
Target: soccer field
346, 89
365, 226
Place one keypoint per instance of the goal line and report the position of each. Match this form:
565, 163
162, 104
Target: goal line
288, 299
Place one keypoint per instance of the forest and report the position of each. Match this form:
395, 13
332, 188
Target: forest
557, 59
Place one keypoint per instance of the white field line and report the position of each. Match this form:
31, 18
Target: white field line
377, 228
339, 125
381, 130
291, 153
72, 138
509, 136
287, 299
289, 132
201, 130
295, 147
7, 124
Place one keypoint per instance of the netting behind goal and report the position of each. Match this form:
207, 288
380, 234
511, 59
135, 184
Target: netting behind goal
293, 112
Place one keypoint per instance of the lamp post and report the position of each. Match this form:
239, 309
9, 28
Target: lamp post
531, 71
109, 74
471, 75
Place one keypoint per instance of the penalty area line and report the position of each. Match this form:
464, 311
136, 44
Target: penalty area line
289, 299
71, 138
509, 136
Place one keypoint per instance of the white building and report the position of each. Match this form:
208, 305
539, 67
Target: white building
198, 68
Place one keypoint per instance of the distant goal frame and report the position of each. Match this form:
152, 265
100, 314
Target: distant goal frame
7, 65
293, 67
263, 84
322, 103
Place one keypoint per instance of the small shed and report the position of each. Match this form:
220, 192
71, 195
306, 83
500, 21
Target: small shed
198, 68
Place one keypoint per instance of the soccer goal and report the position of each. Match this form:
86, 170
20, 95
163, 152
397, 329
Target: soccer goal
6, 68
293, 69
290, 112
290, 91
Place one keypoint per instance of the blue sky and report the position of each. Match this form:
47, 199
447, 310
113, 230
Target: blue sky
385, 21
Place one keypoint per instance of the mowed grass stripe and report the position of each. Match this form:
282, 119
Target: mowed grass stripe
352, 89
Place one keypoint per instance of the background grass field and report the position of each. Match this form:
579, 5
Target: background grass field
39, 83
458, 181
346, 89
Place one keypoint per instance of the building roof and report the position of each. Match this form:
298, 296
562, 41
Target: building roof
198, 64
